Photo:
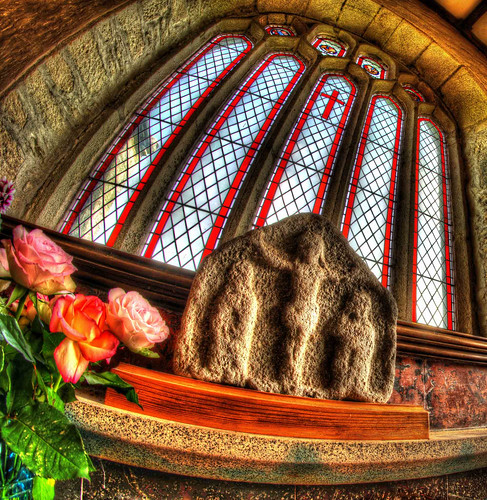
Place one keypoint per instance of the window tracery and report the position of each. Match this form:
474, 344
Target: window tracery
433, 284
279, 30
373, 67
103, 204
195, 212
300, 178
329, 46
196, 208
369, 212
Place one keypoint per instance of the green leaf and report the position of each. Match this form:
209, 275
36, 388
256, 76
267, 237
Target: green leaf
148, 353
109, 379
48, 444
54, 399
2, 357
43, 488
21, 374
12, 334
18, 292
51, 341
3, 306
67, 393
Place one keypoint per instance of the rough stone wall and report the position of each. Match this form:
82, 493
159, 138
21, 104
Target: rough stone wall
48, 115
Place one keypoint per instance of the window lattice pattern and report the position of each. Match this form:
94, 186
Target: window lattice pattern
101, 208
369, 212
300, 178
329, 47
433, 287
189, 226
374, 68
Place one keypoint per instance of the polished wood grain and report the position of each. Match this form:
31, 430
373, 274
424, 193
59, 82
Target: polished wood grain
205, 404
167, 286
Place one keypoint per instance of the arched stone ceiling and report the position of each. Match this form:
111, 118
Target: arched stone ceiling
77, 79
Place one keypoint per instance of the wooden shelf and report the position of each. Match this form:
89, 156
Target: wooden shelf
103, 267
217, 406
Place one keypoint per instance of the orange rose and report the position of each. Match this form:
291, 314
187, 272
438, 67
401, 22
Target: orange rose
82, 320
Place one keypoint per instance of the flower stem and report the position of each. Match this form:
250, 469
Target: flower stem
58, 383
20, 307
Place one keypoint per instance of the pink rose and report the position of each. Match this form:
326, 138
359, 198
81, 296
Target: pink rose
134, 321
37, 263
4, 272
82, 320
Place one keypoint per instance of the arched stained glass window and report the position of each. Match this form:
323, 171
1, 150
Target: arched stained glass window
278, 30
433, 285
415, 94
374, 68
329, 46
369, 210
102, 206
300, 178
195, 212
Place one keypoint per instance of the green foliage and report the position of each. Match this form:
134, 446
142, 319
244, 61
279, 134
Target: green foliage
18, 292
43, 488
12, 334
109, 379
47, 442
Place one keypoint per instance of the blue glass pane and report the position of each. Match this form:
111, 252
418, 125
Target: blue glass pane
227, 149
107, 191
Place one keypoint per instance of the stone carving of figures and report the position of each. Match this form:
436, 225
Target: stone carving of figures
232, 324
302, 312
355, 347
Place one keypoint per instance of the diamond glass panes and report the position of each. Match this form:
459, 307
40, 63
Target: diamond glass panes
195, 212
415, 95
433, 287
278, 30
102, 206
369, 212
300, 178
329, 47
374, 68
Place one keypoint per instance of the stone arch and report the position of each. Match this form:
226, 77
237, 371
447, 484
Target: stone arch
49, 115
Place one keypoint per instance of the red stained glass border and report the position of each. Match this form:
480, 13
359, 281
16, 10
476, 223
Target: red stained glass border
446, 223
289, 31
317, 41
141, 114
252, 150
392, 189
382, 73
286, 155
411, 90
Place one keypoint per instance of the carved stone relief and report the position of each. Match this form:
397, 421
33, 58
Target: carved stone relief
290, 308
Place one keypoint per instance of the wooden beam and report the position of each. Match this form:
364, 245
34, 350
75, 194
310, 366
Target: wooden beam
167, 286
189, 401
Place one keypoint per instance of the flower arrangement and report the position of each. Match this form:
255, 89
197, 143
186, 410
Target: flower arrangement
51, 341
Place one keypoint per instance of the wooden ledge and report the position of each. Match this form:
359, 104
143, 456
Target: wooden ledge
168, 286
206, 404
154, 443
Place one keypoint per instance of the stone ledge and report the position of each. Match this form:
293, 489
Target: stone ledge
184, 449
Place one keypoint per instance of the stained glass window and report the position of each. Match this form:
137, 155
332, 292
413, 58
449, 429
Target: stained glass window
278, 30
433, 286
369, 210
374, 68
329, 47
195, 212
109, 194
415, 95
300, 178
